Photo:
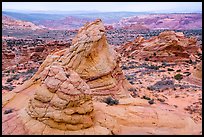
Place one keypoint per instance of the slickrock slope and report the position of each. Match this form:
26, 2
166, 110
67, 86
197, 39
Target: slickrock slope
58, 99
167, 46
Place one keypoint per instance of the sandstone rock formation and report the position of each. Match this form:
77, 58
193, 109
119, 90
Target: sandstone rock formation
58, 99
198, 72
8, 54
93, 59
20, 51
167, 46
62, 101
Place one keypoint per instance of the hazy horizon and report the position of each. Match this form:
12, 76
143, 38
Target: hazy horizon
157, 7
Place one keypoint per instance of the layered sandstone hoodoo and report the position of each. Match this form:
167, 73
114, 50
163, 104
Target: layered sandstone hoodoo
62, 101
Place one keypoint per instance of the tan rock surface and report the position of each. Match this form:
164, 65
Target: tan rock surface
133, 116
93, 59
168, 46
58, 98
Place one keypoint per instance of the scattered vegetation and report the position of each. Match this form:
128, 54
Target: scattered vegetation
9, 88
151, 101
153, 67
145, 97
110, 101
132, 67
131, 82
9, 80
161, 100
187, 73
146, 59
170, 69
178, 70
67, 75
124, 67
178, 76
33, 70
8, 111
132, 90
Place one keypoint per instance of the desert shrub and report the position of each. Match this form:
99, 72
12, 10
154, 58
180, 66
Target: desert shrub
153, 67
7, 71
161, 100
145, 97
178, 70
151, 101
15, 77
132, 90
8, 111
131, 82
111, 101
129, 77
9, 80
178, 76
146, 59
187, 73
150, 88
132, 66
33, 70
9, 88
124, 67
170, 69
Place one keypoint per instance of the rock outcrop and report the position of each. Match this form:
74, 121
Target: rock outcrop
58, 99
167, 46
62, 101
93, 59
198, 71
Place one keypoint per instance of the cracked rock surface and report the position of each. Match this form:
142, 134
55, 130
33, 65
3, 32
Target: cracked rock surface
58, 99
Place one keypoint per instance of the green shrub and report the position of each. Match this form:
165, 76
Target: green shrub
178, 76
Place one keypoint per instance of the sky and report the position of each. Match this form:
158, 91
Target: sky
105, 6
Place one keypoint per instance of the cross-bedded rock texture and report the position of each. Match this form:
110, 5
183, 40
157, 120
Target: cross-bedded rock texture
58, 99
168, 46
62, 101
93, 59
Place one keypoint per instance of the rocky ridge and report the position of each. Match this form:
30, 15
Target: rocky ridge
168, 46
